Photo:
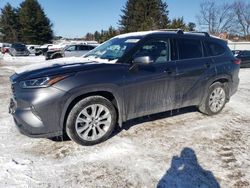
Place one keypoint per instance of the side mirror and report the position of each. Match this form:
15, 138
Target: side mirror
142, 60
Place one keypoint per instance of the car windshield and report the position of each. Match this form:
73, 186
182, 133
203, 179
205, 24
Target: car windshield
114, 48
18, 46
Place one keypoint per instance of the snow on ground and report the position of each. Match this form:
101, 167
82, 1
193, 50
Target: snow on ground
179, 149
22, 59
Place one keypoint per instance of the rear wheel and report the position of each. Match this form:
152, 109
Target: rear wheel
215, 99
91, 120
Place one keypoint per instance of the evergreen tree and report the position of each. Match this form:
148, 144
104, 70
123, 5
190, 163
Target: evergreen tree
9, 24
97, 35
140, 15
89, 36
103, 35
35, 26
191, 26
178, 23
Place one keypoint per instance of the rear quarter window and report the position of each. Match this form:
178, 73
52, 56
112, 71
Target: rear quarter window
214, 49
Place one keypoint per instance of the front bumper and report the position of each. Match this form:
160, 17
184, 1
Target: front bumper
37, 112
25, 130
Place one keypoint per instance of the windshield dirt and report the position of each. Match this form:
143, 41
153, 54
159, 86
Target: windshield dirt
114, 48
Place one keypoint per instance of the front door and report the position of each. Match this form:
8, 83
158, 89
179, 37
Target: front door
149, 88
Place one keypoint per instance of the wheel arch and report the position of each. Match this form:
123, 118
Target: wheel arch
111, 96
224, 79
56, 54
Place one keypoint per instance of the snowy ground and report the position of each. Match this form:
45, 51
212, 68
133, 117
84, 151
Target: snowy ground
183, 149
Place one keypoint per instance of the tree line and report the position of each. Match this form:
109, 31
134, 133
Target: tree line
28, 23
142, 15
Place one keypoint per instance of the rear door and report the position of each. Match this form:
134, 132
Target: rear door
192, 70
149, 88
82, 50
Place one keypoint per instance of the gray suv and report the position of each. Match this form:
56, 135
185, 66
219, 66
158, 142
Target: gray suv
129, 76
18, 49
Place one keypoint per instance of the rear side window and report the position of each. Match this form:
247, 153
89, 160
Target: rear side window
246, 53
83, 48
18, 46
91, 47
189, 49
214, 49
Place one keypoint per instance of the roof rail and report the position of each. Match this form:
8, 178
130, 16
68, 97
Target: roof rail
178, 31
205, 33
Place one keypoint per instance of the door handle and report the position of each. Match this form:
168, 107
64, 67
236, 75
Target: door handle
207, 65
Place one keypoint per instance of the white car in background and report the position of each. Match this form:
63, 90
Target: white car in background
72, 50
32, 48
59, 46
78, 50
41, 50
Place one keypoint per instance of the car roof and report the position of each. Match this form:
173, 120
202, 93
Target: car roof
199, 35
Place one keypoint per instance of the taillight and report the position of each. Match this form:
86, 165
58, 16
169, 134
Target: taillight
237, 61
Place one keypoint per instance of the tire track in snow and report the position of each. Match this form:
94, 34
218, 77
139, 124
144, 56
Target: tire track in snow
232, 145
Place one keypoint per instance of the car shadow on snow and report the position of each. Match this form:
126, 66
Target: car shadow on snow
127, 125
186, 172
130, 123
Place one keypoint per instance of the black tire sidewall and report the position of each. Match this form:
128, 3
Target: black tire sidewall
70, 123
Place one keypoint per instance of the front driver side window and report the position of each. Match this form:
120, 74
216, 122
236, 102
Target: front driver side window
157, 50
71, 48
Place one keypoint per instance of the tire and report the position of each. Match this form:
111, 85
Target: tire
85, 128
38, 53
56, 56
209, 107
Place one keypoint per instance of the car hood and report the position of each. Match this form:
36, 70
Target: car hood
58, 66
60, 62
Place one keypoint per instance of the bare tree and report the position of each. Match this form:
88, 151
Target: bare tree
242, 14
207, 15
215, 18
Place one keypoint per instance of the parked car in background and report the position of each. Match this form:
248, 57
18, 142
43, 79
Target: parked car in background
78, 50
18, 49
129, 76
42, 49
5, 47
73, 50
244, 56
57, 47
32, 48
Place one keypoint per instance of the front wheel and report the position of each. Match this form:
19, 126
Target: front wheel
91, 120
56, 56
215, 99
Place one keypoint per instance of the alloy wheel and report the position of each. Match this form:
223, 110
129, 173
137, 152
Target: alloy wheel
93, 122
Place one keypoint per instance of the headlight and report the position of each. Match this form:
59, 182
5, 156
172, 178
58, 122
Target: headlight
41, 82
